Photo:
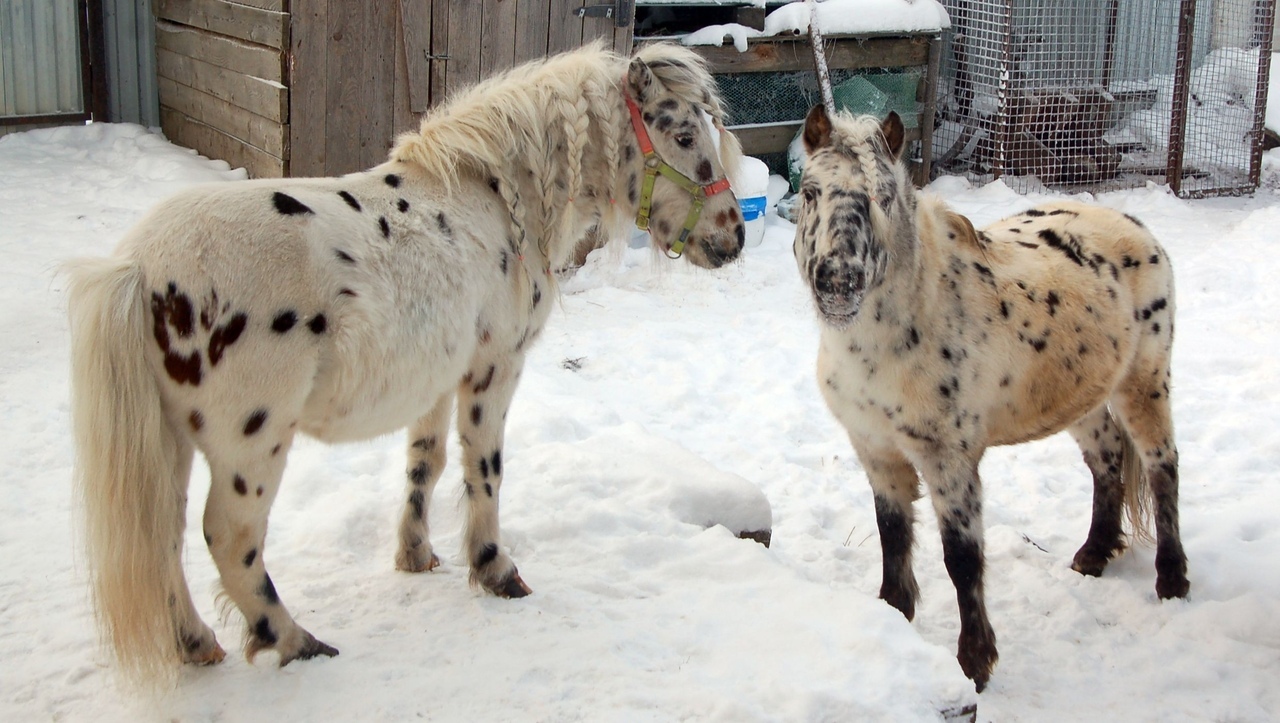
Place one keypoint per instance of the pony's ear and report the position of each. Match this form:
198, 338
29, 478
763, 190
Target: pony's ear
893, 133
817, 128
963, 230
639, 79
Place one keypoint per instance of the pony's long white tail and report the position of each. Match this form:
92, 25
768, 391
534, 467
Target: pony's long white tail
128, 462
1137, 491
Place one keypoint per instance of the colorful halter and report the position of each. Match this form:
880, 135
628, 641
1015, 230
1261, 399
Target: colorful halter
653, 165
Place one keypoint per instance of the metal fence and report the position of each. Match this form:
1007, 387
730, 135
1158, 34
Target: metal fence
1104, 94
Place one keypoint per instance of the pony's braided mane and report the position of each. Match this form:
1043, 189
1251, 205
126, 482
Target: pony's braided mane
554, 126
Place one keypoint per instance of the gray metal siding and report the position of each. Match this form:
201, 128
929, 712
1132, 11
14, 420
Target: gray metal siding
39, 58
129, 33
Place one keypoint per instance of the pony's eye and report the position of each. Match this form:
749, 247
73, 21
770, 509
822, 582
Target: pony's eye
808, 195
685, 141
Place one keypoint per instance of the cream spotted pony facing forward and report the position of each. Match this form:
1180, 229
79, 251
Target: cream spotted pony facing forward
235, 317
939, 341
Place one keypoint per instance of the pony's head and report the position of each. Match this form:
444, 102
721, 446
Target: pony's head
678, 180
857, 212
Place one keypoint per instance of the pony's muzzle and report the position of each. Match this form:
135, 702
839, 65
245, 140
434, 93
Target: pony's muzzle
719, 247
838, 287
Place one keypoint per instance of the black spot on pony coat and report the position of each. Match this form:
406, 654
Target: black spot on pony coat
255, 422
289, 206
351, 200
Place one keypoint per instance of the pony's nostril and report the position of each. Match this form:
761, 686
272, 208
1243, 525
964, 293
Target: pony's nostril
742, 236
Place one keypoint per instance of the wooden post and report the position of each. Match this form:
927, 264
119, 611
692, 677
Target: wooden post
1181, 91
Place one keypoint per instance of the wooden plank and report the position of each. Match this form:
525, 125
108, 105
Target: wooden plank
497, 36
308, 67
465, 25
762, 138
598, 27
253, 94
402, 117
565, 32
345, 97
280, 6
769, 55
259, 61
212, 143
415, 35
266, 27
439, 51
268, 135
533, 22
376, 128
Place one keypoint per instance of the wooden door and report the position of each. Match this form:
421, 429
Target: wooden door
474, 39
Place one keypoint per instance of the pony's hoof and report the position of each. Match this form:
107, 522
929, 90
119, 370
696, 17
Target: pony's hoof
978, 657
202, 649
310, 648
1089, 561
416, 559
1168, 587
212, 656
510, 587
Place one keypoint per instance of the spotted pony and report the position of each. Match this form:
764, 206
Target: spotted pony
234, 317
939, 341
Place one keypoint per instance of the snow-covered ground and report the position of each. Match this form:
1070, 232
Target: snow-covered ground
654, 383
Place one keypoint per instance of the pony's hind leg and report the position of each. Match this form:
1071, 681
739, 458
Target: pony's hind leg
241, 490
1102, 443
196, 640
483, 399
426, 462
895, 486
1143, 408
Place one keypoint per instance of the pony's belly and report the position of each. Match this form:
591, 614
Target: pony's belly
361, 400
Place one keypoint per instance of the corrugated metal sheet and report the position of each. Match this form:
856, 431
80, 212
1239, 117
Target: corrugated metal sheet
39, 58
129, 35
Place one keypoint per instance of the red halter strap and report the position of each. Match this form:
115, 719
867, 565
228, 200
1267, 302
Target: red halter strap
653, 165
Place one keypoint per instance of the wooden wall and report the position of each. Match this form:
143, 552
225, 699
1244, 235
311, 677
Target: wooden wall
220, 69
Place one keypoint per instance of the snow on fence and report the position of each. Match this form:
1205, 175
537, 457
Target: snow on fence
1105, 94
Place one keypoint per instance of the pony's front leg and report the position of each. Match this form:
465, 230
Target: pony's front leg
484, 396
426, 462
241, 491
895, 486
956, 492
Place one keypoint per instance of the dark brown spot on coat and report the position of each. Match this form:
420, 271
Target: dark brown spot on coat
402, 205
196, 419
392, 180
241, 488
318, 324
255, 422
224, 336
384, 227
284, 321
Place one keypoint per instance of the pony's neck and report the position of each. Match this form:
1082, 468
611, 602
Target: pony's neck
602, 199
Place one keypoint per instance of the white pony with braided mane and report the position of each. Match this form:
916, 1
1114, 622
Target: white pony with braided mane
234, 317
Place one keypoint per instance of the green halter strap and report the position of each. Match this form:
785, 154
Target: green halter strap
653, 165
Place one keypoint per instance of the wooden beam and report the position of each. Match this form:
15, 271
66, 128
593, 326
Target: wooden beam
268, 135
212, 143
761, 138
249, 59
773, 55
265, 98
266, 27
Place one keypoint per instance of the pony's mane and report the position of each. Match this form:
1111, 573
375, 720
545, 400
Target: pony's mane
534, 123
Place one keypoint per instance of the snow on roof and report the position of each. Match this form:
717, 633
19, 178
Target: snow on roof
835, 17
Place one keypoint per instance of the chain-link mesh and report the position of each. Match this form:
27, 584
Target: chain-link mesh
1106, 93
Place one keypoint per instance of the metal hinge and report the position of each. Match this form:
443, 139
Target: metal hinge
620, 11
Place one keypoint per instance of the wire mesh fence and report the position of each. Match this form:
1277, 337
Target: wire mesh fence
1105, 94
